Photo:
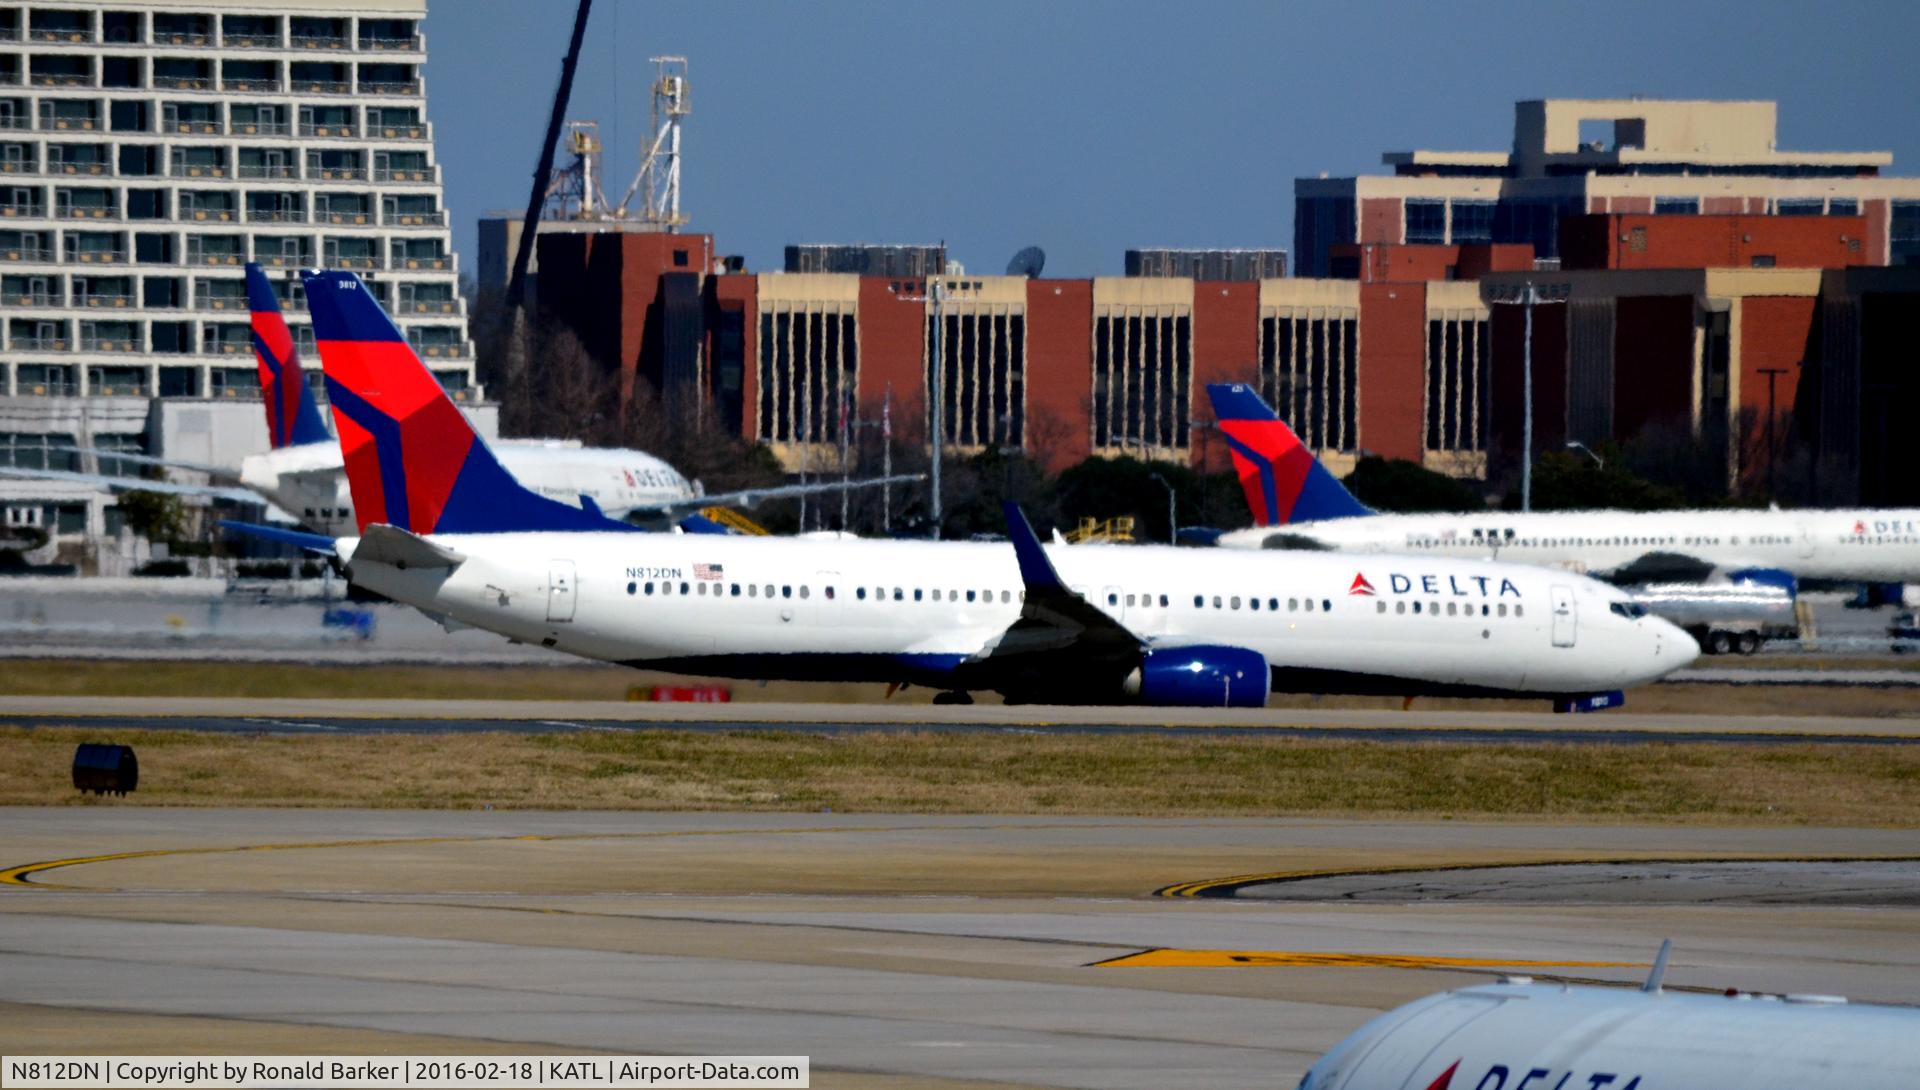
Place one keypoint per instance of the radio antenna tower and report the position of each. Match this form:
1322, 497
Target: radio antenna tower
659, 179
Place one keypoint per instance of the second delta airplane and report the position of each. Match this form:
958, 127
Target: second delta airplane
444, 528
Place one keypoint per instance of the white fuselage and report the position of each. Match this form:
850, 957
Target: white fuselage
1865, 545
917, 611
310, 482
1554, 1037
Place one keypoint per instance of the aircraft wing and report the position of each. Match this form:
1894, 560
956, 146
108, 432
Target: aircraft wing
132, 484
220, 472
1061, 639
748, 497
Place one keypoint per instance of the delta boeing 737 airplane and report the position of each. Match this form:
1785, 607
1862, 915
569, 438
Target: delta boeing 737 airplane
443, 527
302, 473
1297, 501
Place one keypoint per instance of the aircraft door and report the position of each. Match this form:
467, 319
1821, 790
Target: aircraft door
1566, 621
560, 590
1806, 541
1113, 601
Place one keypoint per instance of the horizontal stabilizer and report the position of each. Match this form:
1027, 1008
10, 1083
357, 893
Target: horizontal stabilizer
390, 545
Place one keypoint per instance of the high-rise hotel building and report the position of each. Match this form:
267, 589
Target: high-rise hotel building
147, 151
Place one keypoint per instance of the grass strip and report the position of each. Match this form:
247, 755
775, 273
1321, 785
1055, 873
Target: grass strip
924, 772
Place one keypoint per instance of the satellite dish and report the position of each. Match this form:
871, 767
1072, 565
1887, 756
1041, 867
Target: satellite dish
1027, 262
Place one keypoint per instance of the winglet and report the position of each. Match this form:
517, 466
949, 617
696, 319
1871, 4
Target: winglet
1036, 571
313, 543
293, 417
1659, 973
1284, 482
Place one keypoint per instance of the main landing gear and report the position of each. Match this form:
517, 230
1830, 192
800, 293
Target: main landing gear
953, 698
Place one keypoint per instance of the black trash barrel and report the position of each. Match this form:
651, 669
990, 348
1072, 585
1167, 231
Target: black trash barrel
104, 769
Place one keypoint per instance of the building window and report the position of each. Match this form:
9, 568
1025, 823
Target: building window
1309, 373
1838, 207
1472, 222
1800, 207
1426, 222
1903, 234
1458, 351
983, 375
1318, 224
1676, 206
809, 361
1142, 377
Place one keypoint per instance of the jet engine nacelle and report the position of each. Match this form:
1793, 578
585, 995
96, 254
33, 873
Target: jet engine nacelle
1201, 676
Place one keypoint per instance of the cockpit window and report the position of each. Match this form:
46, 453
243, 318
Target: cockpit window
1631, 610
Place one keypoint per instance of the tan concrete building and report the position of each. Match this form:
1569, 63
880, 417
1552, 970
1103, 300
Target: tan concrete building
1576, 156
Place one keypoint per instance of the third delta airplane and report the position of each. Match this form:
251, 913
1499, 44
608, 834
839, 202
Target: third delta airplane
1298, 501
443, 527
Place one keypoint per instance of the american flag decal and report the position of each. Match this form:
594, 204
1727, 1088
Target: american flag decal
708, 571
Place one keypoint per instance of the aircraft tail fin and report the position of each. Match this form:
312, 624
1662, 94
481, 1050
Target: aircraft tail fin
1284, 482
413, 459
293, 417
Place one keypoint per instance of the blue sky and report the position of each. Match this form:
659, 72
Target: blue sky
1087, 128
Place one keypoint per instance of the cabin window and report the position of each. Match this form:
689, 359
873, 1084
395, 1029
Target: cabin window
1006, 596
1163, 601
735, 590
631, 588
1519, 611
829, 593
1198, 601
1399, 607
1216, 601
649, 588
803, 590
1235, 601
1379, 607
769, 590
1113, 599
1273, 604
1253, 603
1453, 608
786, 591
1309, 605
1503, 609
1484, 610
1293, 605
1416, 607
898, 595
702, 592
860, 593
917, 594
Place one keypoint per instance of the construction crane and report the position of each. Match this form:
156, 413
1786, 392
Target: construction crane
543, 173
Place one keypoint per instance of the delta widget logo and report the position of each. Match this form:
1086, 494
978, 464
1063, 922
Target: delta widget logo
1360, 587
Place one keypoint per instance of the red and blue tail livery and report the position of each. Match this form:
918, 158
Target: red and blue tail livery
1284, 482
293, 419
413, 461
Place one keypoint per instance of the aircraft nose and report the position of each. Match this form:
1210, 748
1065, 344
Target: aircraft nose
1677, 648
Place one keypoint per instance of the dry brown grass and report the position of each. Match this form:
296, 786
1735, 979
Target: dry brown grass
1135, 774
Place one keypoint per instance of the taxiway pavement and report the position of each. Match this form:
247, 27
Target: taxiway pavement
892, 949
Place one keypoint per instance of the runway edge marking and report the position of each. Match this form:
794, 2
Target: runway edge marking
1228, 886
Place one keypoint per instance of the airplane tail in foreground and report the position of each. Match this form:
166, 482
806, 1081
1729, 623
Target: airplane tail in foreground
413, 460
293, 418
1284, 482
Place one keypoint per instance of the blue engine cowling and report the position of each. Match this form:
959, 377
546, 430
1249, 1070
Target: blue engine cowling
1770, 577
1201, 676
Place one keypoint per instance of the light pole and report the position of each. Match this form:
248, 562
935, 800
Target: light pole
936, 382
1173, 523
1575, 444
1528, 297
